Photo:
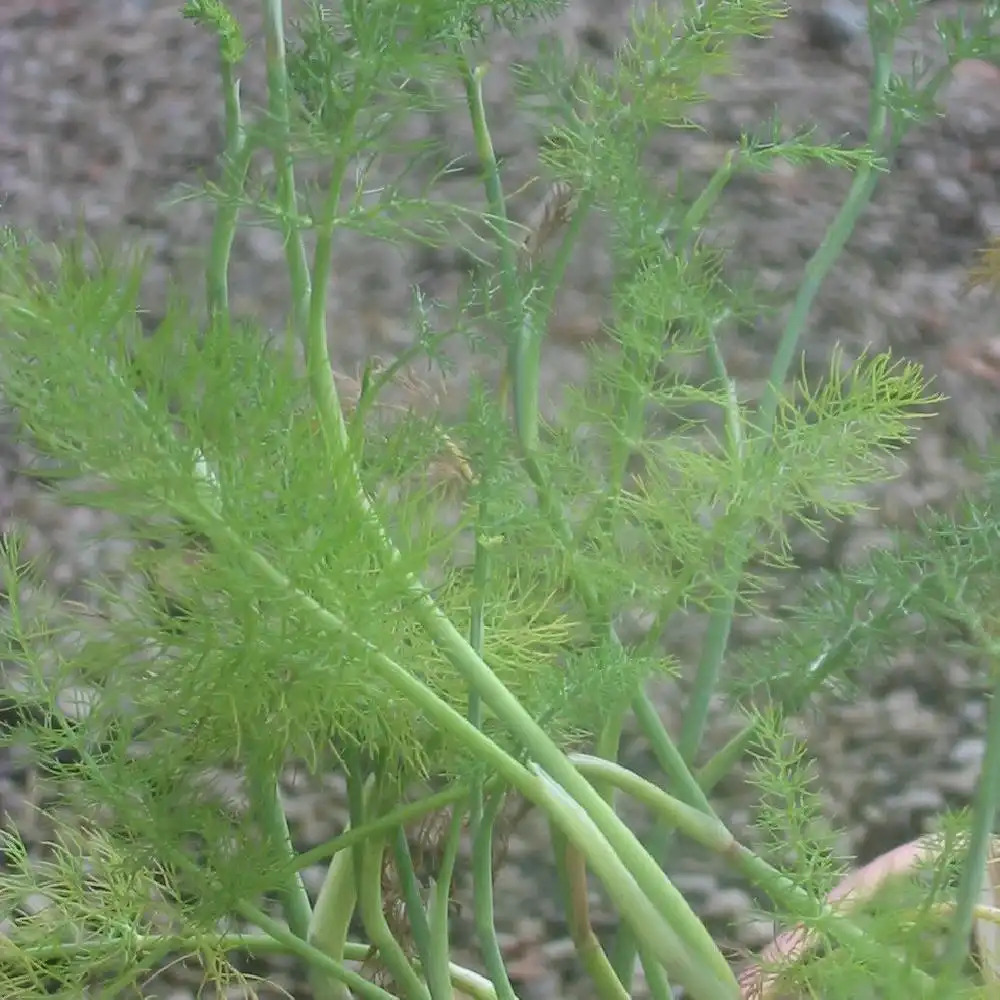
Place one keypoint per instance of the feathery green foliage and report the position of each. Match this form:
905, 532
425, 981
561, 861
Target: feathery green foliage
426, 601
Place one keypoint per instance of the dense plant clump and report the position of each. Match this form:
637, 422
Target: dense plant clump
429, 602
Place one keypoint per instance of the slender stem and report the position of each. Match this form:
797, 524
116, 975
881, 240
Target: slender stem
318, 366
588, 948
379, 825
819, 266
554, 277
235, 164
482, 817
523, 338
672, 759
284, 165
296, 946
415, 912
271, 815
524, 331
482, 898
984, 811
608, 745
668, 756
465, 980
726, 758
390, 952
439, 907
697, 709
656, 978
694, 217
791, 699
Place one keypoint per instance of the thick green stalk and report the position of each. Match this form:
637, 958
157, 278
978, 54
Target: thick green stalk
628, 854
507, 708
712, 833
704, 828
331, 922
708, 979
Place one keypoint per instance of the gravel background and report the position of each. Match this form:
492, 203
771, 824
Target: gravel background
108, 106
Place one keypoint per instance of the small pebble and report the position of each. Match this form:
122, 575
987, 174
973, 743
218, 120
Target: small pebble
834, 25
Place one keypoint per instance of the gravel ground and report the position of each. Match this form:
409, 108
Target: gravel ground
107, 107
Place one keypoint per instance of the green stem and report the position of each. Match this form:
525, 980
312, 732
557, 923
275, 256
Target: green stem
672, 759
668, 756
628, 855
628, 848
482, 897
573, 869
712, 833
523, 338
726, 758
984, 811
318, 366
284, 166
554, 277
295, 945
271, 815
791, 698
382, 824
235, 165
390, 952
439, 907
698, 972
331, 922
415, 911
819, 266
524, 327
482, 817
694, 217
608, 745
656, 978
